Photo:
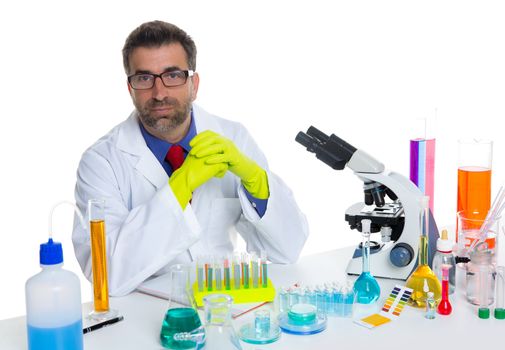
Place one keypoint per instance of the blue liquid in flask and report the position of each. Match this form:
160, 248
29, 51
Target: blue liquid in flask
366, 287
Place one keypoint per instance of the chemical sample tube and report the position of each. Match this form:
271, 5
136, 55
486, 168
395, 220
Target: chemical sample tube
245, 270
255, 269
499, 310
96, 213
483, 292
200, 273
264, 269
218, 272
236, 271
227, 273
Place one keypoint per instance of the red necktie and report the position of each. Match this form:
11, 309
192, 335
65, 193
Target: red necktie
175, 157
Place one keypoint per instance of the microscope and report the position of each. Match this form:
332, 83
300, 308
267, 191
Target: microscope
391, 201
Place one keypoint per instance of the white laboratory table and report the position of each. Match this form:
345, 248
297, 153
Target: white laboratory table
143, 315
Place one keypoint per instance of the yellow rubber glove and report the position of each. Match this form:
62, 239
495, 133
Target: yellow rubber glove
193, 173
217, 149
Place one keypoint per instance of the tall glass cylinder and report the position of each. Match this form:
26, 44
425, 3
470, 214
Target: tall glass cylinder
96, 213
474, 177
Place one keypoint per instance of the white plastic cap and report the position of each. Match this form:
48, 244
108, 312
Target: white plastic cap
443, 243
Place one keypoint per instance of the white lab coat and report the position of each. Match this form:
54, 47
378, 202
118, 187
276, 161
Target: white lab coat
147, 230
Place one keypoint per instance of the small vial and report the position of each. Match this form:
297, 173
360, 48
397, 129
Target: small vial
262, 323
283, 300
499, 310
255, 269
349, 297
292, 297
219, 274
200, 273
431, 307
236, 271
321, 304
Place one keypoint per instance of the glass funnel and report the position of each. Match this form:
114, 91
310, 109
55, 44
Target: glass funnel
423, 279
181, 316
220, 334
366, 287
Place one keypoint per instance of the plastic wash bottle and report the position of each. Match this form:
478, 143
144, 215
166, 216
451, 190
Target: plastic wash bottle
53, 304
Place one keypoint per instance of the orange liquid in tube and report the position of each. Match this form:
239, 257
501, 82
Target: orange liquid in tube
99, 266
474, 191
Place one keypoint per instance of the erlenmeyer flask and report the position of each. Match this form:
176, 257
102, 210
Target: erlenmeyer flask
181, 316
220, 334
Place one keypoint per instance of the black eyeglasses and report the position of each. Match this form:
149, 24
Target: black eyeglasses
144, 81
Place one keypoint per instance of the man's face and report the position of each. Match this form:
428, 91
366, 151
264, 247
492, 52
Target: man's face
162, 109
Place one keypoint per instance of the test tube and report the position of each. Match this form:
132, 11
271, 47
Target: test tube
245, 270
200, 273
264, 269
96, 213
321, 305
236, 271
210, 275
483, 292
227, 274
218, 271
499, 310
255, 262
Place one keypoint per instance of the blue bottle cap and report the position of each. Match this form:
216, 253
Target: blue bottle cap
51, 253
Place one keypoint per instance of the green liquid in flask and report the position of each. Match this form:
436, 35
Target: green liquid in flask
179, 320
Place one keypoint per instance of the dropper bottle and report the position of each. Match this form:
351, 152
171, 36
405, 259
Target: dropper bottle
423, 273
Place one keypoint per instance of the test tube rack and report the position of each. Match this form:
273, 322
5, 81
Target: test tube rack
240, 296
243, 276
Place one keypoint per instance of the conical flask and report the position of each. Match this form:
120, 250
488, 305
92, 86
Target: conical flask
219, 331
181, 316
423, 279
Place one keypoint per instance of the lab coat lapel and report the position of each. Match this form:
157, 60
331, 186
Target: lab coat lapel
130, 141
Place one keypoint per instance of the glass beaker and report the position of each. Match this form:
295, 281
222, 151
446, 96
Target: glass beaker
96, 214
181, 316
474, 177
468, 229
480, 276
220, 334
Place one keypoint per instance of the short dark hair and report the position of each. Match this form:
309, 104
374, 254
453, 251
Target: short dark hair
156, 34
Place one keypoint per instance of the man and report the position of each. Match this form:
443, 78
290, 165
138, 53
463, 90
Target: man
178, 182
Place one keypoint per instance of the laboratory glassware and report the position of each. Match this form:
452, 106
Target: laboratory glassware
445, 307
302, 319
469, 231
480, 276
262, 331
366, 287
220, 334
431, 306
423, 274
499, 307
98, 237
444, 256
181, 316
422, 159
474, 178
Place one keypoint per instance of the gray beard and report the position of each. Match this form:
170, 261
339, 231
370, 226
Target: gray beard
167, 122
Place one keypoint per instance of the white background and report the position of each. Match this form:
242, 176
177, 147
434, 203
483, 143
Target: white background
364, 70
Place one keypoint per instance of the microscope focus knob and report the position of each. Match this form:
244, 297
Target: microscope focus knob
401, 255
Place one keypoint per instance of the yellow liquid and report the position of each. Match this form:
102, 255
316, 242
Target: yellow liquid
99, 266
423, 273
